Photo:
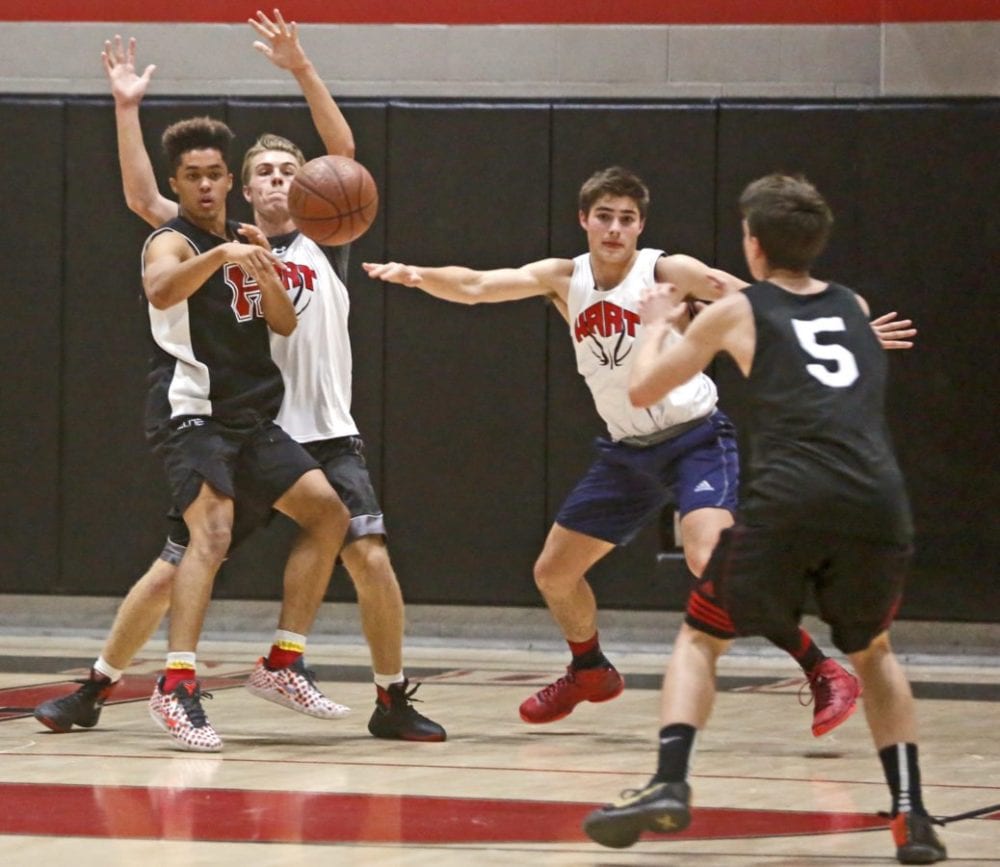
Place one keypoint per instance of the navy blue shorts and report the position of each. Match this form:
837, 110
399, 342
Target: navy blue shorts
627, 486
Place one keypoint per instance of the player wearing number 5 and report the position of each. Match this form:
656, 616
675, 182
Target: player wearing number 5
825, 508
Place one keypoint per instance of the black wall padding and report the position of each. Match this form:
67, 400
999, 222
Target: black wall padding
476, 421
465, 386
31, 247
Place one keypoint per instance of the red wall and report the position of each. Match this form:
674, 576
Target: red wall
518, 11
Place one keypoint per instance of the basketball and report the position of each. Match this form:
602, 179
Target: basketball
333, 200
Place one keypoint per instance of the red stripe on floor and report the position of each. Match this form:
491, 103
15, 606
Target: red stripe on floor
215, 815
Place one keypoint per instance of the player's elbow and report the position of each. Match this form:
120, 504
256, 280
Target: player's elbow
283, 326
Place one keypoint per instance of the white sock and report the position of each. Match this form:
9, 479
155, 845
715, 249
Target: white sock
386, 680
102, 666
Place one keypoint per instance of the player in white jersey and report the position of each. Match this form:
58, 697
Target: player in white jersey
315, 411
683, 449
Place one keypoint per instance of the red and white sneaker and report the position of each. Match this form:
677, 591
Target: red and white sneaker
180, 715
835, 691
293, 687
558, 699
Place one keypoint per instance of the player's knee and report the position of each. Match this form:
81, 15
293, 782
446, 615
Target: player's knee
552, 581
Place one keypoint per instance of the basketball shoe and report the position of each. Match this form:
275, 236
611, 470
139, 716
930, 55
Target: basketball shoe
835, 692
80, 708
395, 717
180, 715
916, 842
558, 699
662, 807
293, 687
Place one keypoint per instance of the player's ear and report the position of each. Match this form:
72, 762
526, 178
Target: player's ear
246, 194
582, 215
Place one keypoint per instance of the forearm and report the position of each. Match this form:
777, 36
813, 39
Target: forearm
327, 117
138, 179
452, 283
172, 283
645, 375
277, 307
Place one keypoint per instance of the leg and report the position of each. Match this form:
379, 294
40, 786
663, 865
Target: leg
323, 520
139, 614
560, 574
380, 603
686, 703
175, 704
891, 716
834, 690
137, 619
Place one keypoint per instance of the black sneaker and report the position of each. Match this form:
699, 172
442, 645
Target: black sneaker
81, 708
916, 842
395, 718
659, 807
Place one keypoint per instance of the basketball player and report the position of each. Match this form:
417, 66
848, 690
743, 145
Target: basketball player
826, 506
682, 449
316, 365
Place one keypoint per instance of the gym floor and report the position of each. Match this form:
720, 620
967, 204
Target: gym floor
292, 790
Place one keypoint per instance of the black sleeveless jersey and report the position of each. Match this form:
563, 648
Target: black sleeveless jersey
212, 353
820, 452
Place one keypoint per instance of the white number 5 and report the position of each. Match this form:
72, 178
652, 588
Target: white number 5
845, 369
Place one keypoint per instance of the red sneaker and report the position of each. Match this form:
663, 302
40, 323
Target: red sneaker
835, 691
558, 699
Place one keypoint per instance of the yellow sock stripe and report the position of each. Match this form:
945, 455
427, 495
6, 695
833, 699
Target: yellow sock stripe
285, 644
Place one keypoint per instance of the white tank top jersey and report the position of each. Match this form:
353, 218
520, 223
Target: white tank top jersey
604, 325
315, 359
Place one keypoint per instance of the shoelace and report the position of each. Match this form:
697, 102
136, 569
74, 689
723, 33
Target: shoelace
815, 684
299, 668
192, 706
553, 688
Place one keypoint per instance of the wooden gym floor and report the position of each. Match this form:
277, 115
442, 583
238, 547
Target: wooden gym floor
291, 790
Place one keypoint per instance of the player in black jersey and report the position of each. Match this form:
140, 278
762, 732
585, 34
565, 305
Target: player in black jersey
825, 509
214, 393
316, 365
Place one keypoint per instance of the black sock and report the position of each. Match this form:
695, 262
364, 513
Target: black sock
902, 773
676, 744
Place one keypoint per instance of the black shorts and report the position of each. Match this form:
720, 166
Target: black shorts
342, 461
761, 577
201, 449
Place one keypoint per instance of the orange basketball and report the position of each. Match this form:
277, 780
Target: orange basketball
333, 200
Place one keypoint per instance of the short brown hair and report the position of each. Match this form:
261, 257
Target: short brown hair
789, 218
270, 142
195, 133
614, 181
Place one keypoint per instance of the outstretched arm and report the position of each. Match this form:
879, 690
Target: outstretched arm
546, 278
283, 49
696, 280
128, 89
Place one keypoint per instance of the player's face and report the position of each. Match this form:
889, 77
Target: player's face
613, 226
267, 188
201, 183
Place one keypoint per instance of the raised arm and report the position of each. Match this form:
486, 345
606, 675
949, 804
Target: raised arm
547, 278
142, 195
283, 49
